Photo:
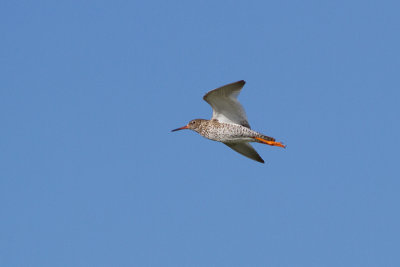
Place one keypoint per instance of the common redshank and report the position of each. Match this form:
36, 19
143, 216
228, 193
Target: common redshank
229, 123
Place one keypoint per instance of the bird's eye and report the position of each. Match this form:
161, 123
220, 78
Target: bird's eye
192, 122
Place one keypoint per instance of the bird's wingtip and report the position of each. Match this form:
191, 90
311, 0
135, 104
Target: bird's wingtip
259, 159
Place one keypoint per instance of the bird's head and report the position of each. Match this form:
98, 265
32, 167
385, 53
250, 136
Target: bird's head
192, 125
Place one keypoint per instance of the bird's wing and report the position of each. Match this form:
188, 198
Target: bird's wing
246, 150
226, 107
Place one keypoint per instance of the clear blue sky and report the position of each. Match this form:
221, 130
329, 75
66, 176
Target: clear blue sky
92, 176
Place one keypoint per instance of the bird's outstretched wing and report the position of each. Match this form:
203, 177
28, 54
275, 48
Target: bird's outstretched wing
246, 150
226, 107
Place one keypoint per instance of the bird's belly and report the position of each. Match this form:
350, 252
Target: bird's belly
228, 136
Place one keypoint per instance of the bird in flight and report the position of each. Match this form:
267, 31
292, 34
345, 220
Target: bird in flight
229, 123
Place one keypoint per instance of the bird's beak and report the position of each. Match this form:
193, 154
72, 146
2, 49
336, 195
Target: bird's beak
182, 128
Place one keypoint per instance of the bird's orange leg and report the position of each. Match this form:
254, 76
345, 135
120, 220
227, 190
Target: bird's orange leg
271, 143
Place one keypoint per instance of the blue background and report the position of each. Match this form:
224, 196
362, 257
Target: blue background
92, 176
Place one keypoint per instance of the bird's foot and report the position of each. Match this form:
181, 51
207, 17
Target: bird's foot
271, 143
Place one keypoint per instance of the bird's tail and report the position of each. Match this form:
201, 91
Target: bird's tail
268, 141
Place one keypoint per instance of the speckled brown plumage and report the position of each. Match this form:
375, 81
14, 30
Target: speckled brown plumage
225, 132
